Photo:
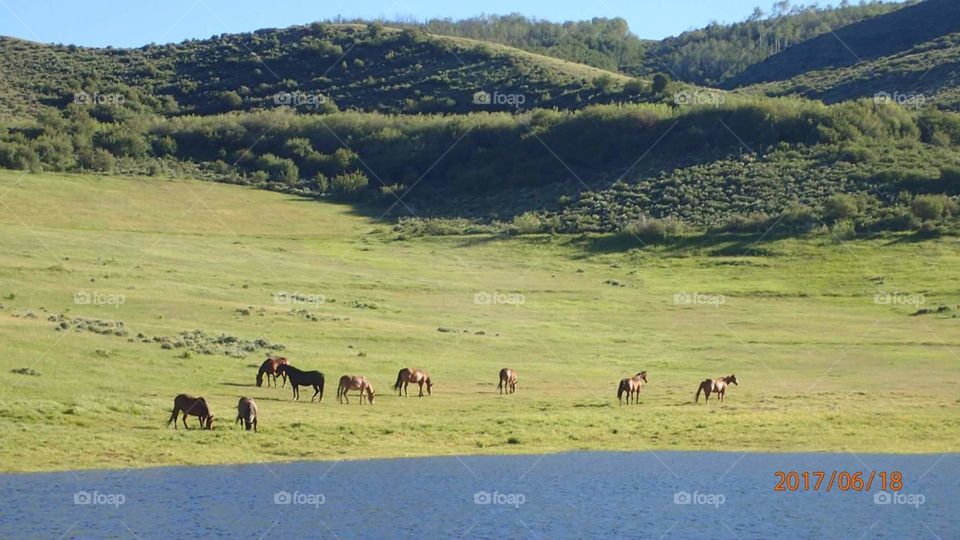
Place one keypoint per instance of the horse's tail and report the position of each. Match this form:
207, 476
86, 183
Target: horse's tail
696, 399
321, 388
173, 415
399, 378
621, 389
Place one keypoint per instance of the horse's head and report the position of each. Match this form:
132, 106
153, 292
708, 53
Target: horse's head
370, 395
429, 387
733, 380
259, 379
642, 375
208, 423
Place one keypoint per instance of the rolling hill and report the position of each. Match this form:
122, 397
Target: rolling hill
316, 68
910, 55
409, 123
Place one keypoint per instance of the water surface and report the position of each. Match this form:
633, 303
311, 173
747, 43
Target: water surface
575, 495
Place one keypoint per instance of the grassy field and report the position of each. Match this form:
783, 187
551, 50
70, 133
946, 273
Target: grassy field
822, 364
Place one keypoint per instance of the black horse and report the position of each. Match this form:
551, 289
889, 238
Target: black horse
303, 378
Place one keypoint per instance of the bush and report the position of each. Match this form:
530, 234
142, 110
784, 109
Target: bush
660, 83
15, 155
279, 169
349, 185
95, 159
527, 223
839, 207
843, 230
933, 207
230, 100
652, 230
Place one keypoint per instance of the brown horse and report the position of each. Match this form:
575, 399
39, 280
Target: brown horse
247, 413
632, 386
508, 381
409, 375
193, 406
716, 386
353, 382
271, 368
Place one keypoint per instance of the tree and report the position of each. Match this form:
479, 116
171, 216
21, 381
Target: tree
660, 83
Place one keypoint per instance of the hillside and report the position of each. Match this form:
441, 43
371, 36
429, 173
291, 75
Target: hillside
265, 109
900, 32
719, 53
316, 68
923, 76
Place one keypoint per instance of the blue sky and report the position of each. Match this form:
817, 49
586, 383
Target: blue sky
126, 23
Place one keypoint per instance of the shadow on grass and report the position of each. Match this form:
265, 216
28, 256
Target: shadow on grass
713, 244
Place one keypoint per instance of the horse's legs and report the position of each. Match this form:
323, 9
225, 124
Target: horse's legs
316, 390
185, 426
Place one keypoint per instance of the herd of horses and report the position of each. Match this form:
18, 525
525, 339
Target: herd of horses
279, 367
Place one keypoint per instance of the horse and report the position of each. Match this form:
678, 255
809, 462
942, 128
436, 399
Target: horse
247, 413
303, 378
271, 367
408, 375
353, 382
717, 386
632, 386
508, 381
193, 406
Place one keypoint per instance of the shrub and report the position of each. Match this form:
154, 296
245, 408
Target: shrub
230, 100
652, 230
843, 230
279, 169
527, 223
349, 185
798, 218
95, 159
839, 207
933, 207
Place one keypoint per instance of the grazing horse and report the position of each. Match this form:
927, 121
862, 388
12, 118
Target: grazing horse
353, 382
408, 375
193, 406
631, 386
508, 381
716, 386
271, 367
303, 378
247, 413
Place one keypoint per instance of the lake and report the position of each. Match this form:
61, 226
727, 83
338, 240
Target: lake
575, 495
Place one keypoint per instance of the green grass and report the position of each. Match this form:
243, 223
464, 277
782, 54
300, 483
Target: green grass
822, 366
